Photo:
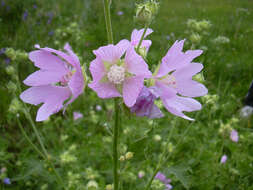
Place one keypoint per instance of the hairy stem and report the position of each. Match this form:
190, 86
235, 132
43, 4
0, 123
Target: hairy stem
44, 152
116, 102
108, 21
29, 140
142, 37
115, 143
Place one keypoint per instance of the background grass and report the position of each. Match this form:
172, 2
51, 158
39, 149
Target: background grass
195, 148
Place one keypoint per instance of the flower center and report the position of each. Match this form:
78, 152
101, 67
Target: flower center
116, 74
170, 81
65, 79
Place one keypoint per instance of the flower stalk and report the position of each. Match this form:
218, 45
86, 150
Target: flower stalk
44, 152
142, 37
107, 4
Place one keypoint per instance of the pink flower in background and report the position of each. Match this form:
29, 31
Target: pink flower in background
141, 174
120, 13
114, 76
175, 77
59, 78
223, 159
166, 181
136, 37
234, 136
77, 115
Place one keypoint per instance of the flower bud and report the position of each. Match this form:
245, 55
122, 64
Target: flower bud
157, 138
15, 106
109, 187
145, 12
10, 70
11, 86
122, 158
129, 155
92, 185
10, 52
141, 174
195, 38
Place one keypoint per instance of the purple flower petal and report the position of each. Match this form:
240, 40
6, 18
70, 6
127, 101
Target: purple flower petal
176, 105
145, 106
112, 53
43, 77
136, 37
52, 97
131, 89
63, 70
105, 89
135, 64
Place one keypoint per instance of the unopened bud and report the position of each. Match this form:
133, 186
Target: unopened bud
10, 52
145, 12
109, 187
10, 70
122, 158
129, 155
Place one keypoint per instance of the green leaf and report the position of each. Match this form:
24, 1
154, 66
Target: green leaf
180, 172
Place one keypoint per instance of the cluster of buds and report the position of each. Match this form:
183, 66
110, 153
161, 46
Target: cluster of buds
16, 55
127, 156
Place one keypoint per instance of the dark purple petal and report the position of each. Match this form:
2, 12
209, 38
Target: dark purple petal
145, 106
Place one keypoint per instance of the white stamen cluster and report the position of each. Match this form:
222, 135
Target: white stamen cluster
116, 74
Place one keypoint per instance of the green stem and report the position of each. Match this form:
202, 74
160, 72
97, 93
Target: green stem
28, 116
108, 21
161, 161
142, 37
29, 140
156, 170
46, 155
116, 101
115, 143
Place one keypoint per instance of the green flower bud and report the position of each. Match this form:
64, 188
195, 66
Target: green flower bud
11, 86
109, 187
10, 70
129, 155
145, 12
205, 24
195, 38
92, 185
21, 56
122, 158
221, 40
44, 187
15, 106
10, 52
143, 52
157, 138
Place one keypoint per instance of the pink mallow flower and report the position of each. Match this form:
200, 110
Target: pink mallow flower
115, 76
234, 136
136, 37
166, 181
77, 115
60, 78
223, 159
175, 77
145, 105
